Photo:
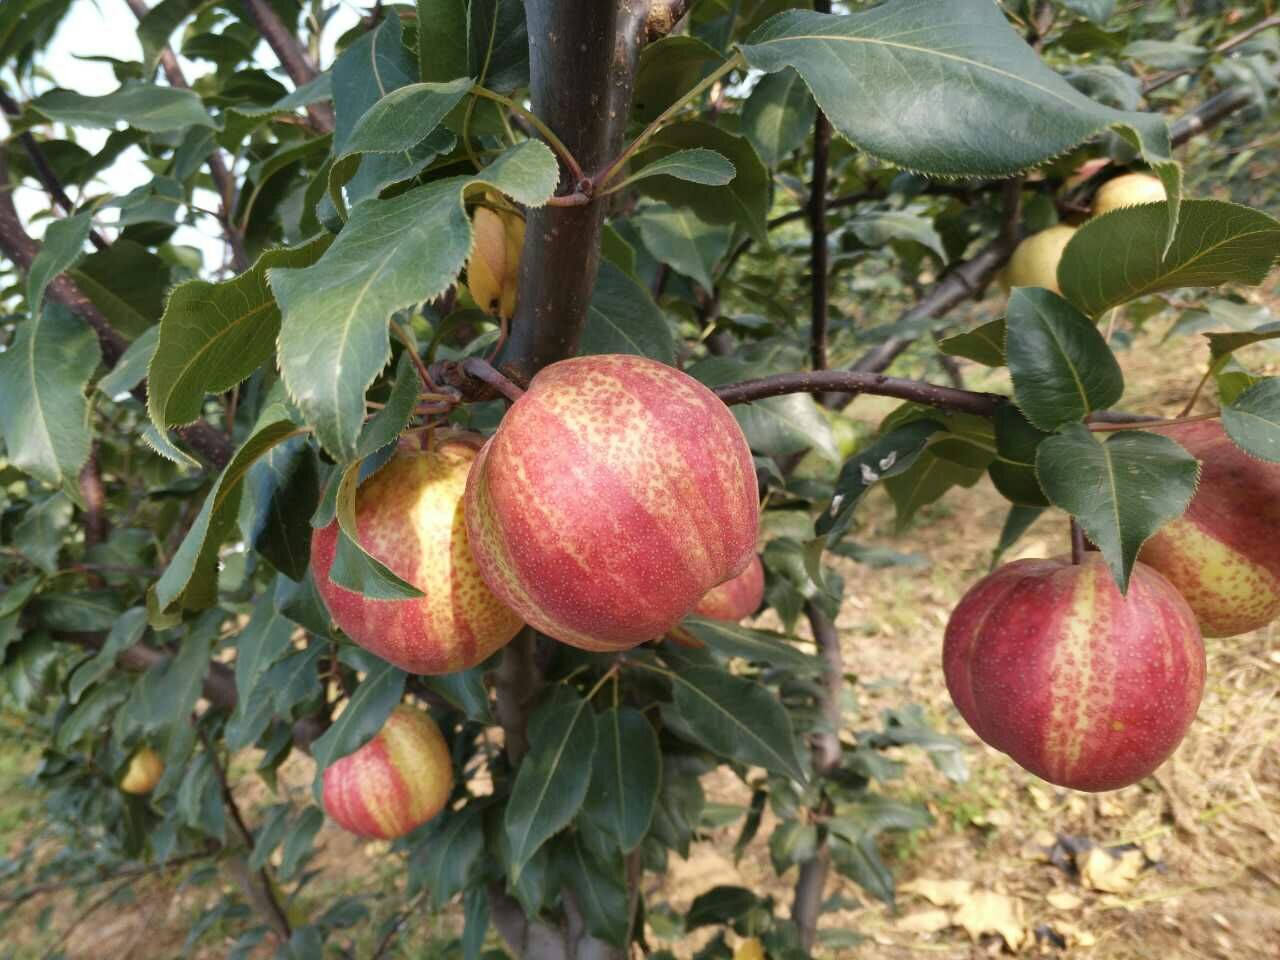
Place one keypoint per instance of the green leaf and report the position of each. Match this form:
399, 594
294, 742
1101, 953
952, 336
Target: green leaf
1121, 491
756, 646
170, 689
626, 776
465, 690
299, 844
1061, 366
269, 835
744, 201
281, 491
28, 670
853, 834
1120, 256
601, 892
880, 227
391, 255
552, 781
453, 854
131, 368
677, 237
213, 335
668, 69
1013, 471
442, 39
190, 580
720, 906
81, 611
476, 924
944, 87
319, 89
1222, 345
1099, 11
932, 475
736, 718
892, 454
498, 44
778, 116
623, 318
157, 26
128, 283
265, 639
63, 243
365, 714
91, 713
16, 595
781, 426
697, 165
147, 106
126, 630
39, 535
1016, 522
364, 73
1253, 420
399, 121
45, 416
983, 344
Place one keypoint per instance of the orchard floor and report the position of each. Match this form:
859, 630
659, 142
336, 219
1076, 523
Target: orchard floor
1185, 865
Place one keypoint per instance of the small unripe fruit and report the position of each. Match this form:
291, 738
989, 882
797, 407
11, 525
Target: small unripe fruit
736, 598
1223, 553
1085, 687
616, 492
1035, 260
143, 773
493, 270
1128, 190
394, 783
409, 516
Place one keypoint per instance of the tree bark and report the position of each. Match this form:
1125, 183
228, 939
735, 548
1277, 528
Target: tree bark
582, 64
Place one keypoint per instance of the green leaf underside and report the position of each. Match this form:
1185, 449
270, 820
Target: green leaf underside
44, 417
679, 238
696, 165
147, 106
213, 335
1120, 256
983, 344
1061, 366
778, 116
1253, 420
756, 646
63, 242
354, 567
944, 87
1121, 491
391, 255
552, 781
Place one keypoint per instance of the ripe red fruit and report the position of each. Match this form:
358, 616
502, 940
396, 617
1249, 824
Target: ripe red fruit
615, 493
1084, 687
409, 516
394, 783
736, 598
1223, 554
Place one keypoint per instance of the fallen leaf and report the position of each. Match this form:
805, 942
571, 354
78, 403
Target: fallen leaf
1101, 870
1040, 798
1063, 900
926, 921
941, 893
986, 912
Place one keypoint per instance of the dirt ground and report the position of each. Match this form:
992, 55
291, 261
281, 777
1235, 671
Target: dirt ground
1184, 866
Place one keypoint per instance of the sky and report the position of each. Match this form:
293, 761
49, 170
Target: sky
108, 28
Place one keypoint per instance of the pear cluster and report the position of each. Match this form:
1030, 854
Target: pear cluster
615, 495
1087, 688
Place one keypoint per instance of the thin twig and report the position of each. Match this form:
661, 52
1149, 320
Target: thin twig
818, 241
533, 120
851, 381
482, 371
1077, 543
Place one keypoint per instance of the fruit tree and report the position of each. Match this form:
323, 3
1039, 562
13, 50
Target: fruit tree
422, 395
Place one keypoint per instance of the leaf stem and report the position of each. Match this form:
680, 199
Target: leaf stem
612, 169
423, 373
553, 141
1195, 394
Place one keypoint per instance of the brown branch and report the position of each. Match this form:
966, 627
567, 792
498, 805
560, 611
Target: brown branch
257, 885
95, 498
292, 57
222, 178
854, 382
812, 880
44, 172
1160, 79
482, 371
663, 16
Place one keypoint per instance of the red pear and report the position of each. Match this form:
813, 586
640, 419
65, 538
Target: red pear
737, 598
1088, 688
616, 492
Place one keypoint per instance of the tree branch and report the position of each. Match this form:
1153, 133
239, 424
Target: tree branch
1160, 79
292, 57
818, 300
222, 178
583, 57
812, 880
855, 382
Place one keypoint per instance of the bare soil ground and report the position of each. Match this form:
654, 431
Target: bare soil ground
1184, 866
